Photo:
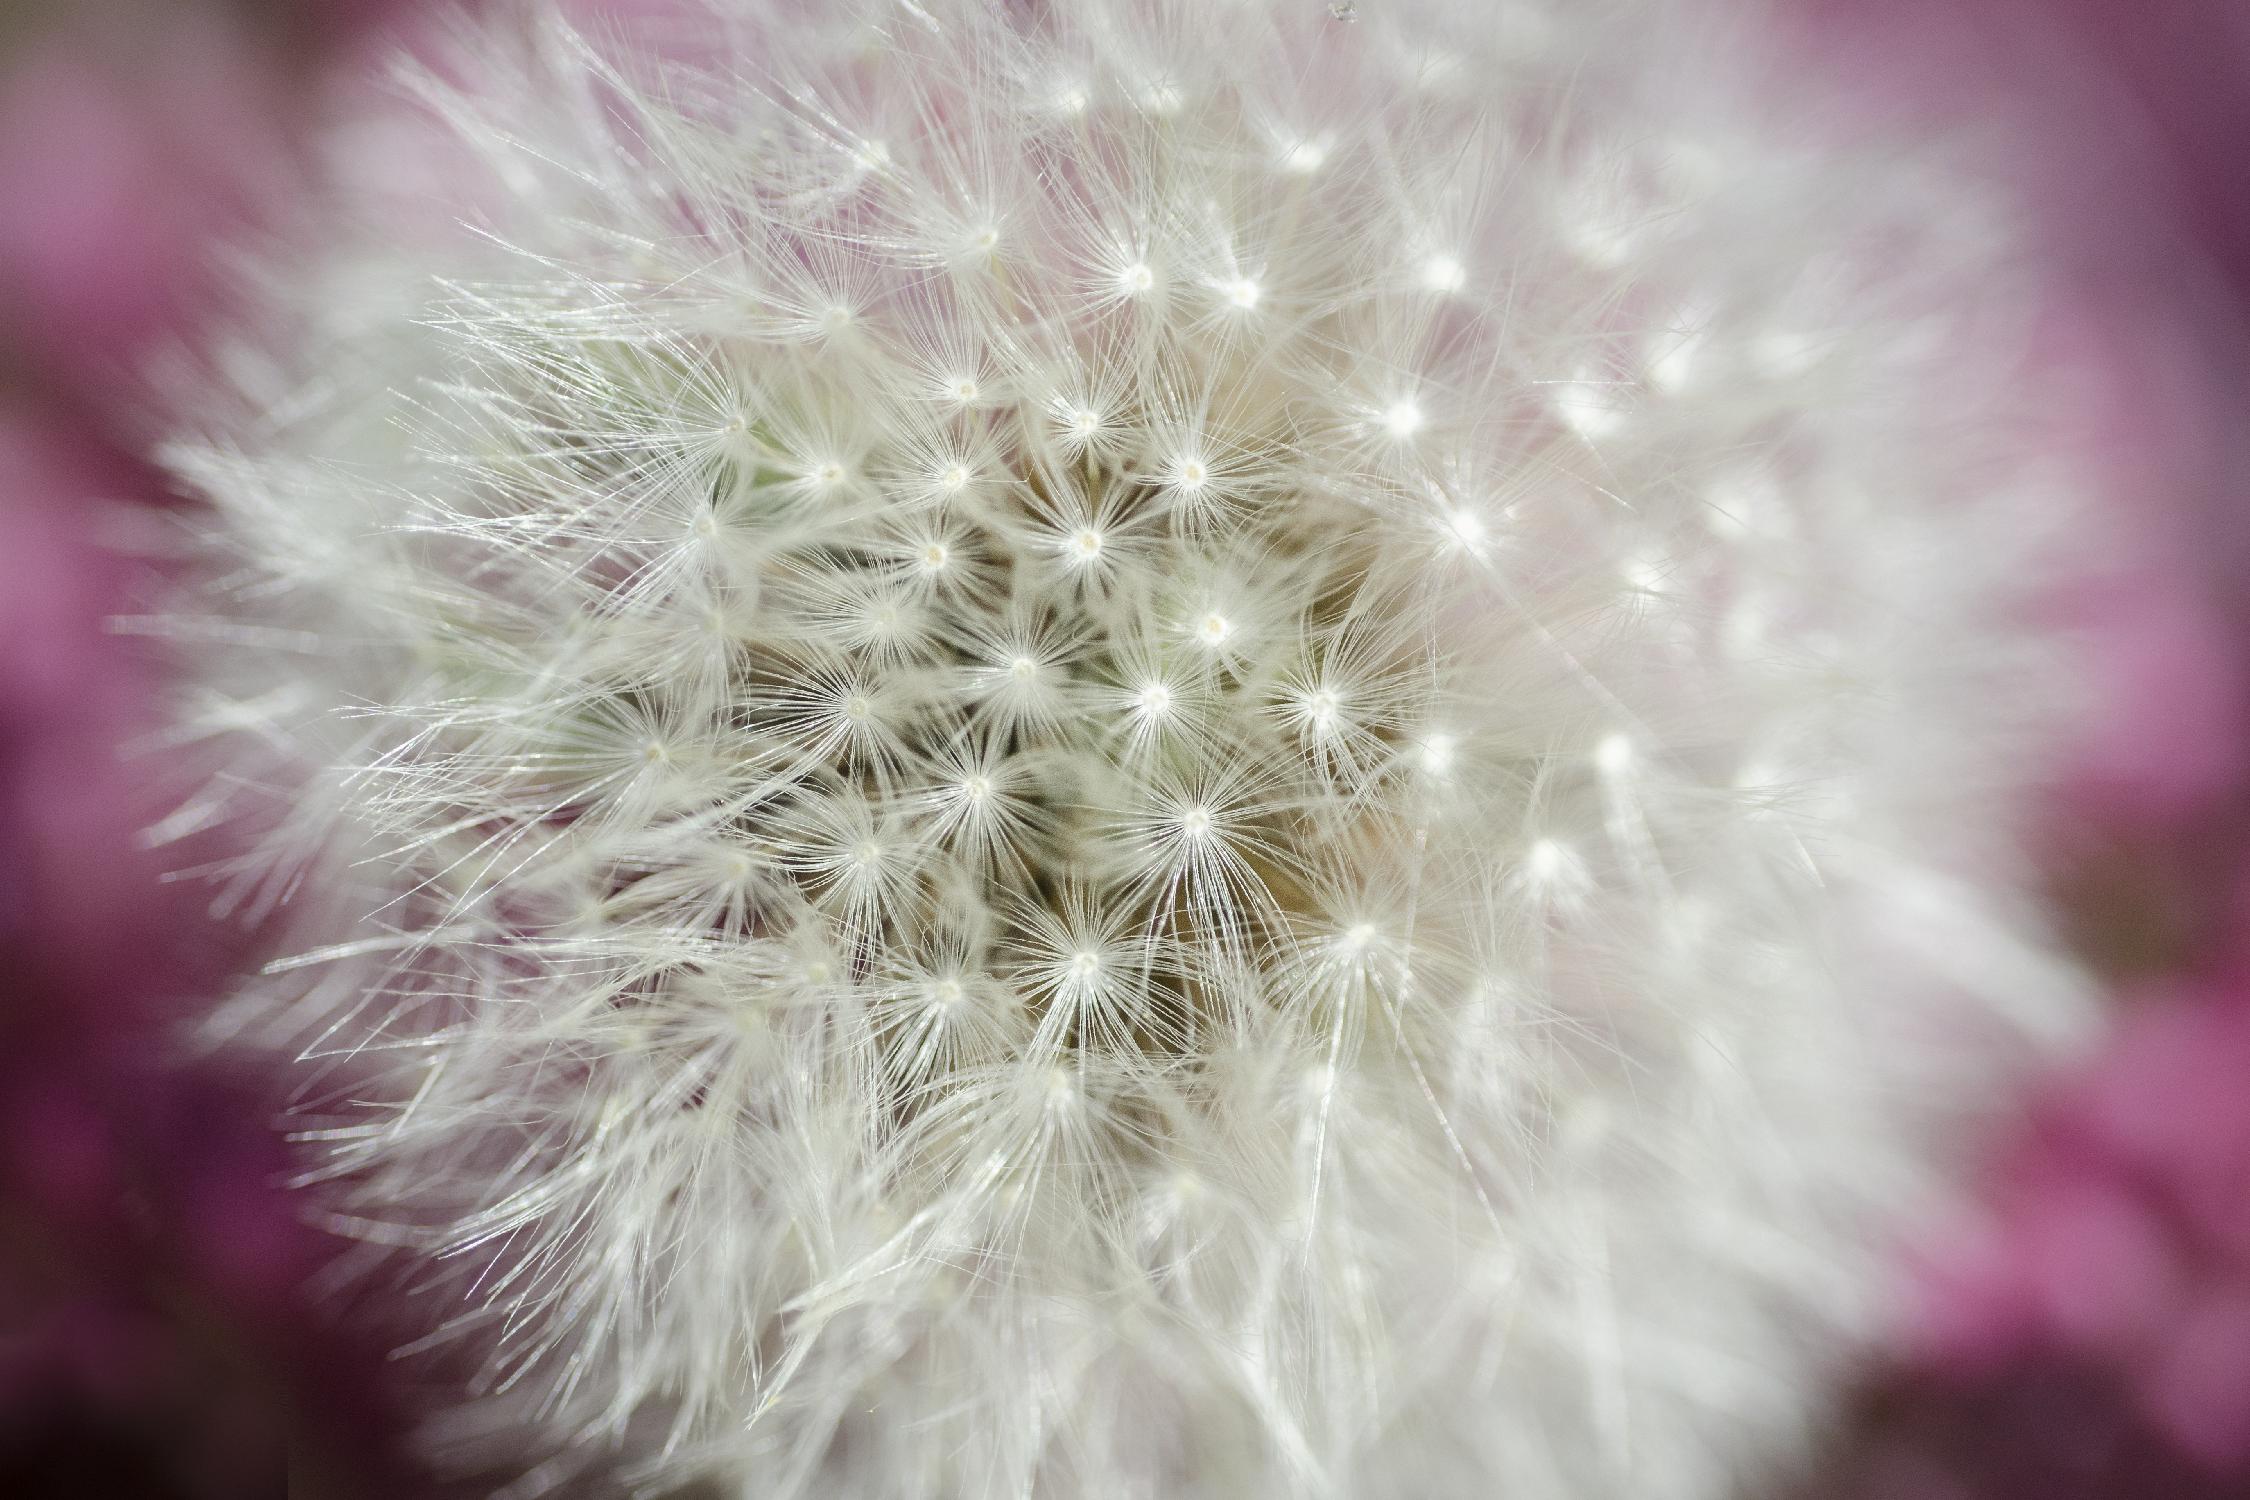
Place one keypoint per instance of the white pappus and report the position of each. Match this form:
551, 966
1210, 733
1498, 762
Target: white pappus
1133, 747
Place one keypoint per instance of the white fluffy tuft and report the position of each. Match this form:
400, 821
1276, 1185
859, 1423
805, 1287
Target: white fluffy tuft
1152, 749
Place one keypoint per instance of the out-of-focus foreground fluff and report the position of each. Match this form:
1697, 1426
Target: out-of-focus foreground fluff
1133, 749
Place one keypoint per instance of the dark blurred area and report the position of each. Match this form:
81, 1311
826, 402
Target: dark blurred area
153, 1337
2091, 1339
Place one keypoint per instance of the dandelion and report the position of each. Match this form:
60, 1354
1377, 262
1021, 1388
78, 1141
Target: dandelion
1008, 741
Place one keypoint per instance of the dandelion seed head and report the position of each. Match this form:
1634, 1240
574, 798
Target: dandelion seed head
981, 797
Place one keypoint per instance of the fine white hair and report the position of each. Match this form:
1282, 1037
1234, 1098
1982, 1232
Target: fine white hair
1131, 748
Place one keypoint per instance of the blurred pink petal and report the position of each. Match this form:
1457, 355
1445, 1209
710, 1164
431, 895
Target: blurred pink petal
2198, 1391
2095, 1261
124, 155
89, 248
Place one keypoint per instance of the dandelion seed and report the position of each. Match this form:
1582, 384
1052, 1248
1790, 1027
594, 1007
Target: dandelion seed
1444, 274
1613, 756
1592, 410
1469, 529
1163, 99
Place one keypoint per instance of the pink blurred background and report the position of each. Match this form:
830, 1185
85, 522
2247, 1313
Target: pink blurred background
2089, 1336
